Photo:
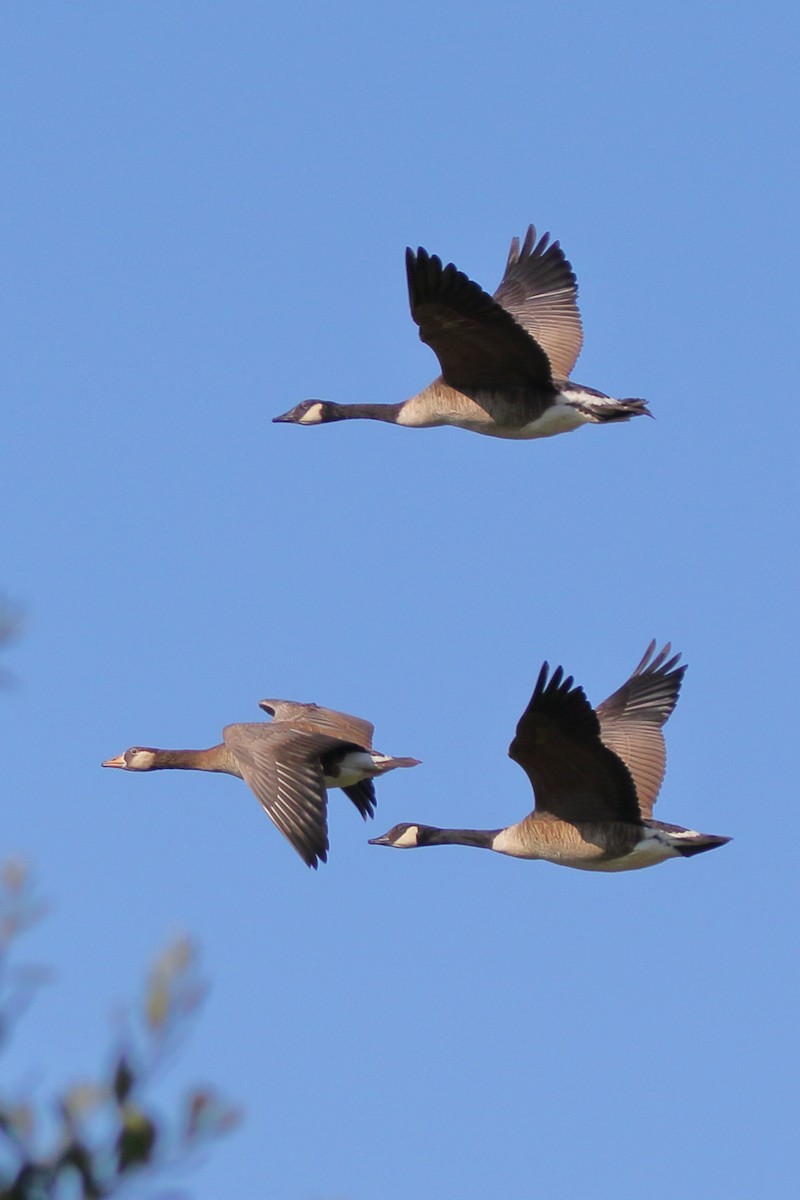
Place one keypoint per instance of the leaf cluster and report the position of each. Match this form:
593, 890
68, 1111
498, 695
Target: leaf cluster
96, 1137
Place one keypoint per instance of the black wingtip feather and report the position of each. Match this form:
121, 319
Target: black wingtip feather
557, 685
560, 697
430, 279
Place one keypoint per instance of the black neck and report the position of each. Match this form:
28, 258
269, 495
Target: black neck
429, 835
370, 412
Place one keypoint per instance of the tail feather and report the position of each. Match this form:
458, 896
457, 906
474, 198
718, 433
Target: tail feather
699, 844
389, 764
602, 409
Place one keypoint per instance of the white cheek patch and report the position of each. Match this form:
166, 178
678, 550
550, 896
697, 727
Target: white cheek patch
408, 838
142, 761
312, 416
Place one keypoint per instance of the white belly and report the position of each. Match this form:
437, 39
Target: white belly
558, 418
355, 766
653, 848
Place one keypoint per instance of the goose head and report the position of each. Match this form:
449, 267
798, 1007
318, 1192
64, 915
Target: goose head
138, 758
403, 837
310, 412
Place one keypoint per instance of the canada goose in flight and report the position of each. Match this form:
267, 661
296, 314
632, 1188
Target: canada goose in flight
505, 359
595, 776
288, 763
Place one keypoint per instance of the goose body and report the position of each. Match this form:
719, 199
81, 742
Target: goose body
289, 763
595, 775
505, 359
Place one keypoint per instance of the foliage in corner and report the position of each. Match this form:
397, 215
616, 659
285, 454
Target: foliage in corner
106, 1135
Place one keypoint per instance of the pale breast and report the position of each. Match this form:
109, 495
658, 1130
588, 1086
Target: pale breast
515, 414
606, 846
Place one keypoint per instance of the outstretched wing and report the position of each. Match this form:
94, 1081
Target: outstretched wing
631, 720
321, 720
282, 767
478, 343
540, 291
557, 743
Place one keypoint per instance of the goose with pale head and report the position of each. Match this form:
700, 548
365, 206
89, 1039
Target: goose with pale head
505, 359
595, 776
289, 763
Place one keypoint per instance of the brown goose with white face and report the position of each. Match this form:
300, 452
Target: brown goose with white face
289, 764
505, 359
595, 776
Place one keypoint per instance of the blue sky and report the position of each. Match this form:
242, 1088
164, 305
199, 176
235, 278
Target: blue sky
206, 213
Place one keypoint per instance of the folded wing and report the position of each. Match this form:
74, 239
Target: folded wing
314, 719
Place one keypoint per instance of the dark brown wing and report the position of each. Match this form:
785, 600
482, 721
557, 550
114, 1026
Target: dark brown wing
631, 720
479, 345
314, 719
540, 291
574, 776
363, 796
282, 767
